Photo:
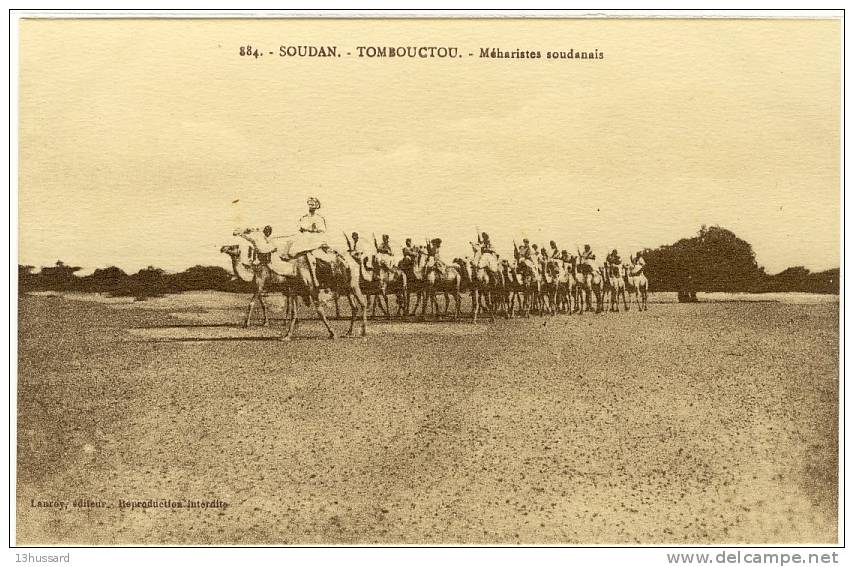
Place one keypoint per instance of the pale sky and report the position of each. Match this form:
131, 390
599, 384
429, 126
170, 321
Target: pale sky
136, 137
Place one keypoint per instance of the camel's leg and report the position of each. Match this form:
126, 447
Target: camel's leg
428, 298
427, 303
458, 300
361, 302
293, 322
404, 296
266, 322
490, 306
386, 308
337, 309
476, 304
248, 320
359, 299
320, 311
402, 309
425, 298
358, 306
352, 315
414, 310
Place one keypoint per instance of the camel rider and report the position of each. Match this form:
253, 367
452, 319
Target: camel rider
312, 222
587, 259
485, 244
527, 253
262, 247
613, 261
433, 251
555, 251
385, 257
313, 228
357, 250
638, 264
410, 254
385, 247
524, 251
266, 257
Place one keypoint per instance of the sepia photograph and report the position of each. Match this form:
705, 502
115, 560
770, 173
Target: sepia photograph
427, 280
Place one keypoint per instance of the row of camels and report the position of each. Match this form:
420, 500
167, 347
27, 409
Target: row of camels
497, 286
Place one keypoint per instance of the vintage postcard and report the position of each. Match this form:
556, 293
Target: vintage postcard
428, 280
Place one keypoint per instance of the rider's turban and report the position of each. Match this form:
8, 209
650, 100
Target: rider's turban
313, 202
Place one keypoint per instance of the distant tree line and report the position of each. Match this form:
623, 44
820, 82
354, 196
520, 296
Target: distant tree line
148, 282
714, 260
717, 260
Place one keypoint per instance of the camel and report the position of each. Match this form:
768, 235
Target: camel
416, 278
307, 277
377, 278
390, 278
589, 284
531, 284
560, 289
262, 276
488, 280
480, 282
616, 286
636, 284
447, 281
513, 287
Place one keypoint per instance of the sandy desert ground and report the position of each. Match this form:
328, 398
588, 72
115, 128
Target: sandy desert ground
707, 423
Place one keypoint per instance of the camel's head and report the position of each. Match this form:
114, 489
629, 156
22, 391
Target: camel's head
232, 250
464, 265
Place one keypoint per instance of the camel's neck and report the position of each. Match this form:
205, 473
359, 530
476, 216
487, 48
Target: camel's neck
419, 267
241, 270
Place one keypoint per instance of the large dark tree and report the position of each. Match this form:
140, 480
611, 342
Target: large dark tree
106, 279
714, 260
203, 277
